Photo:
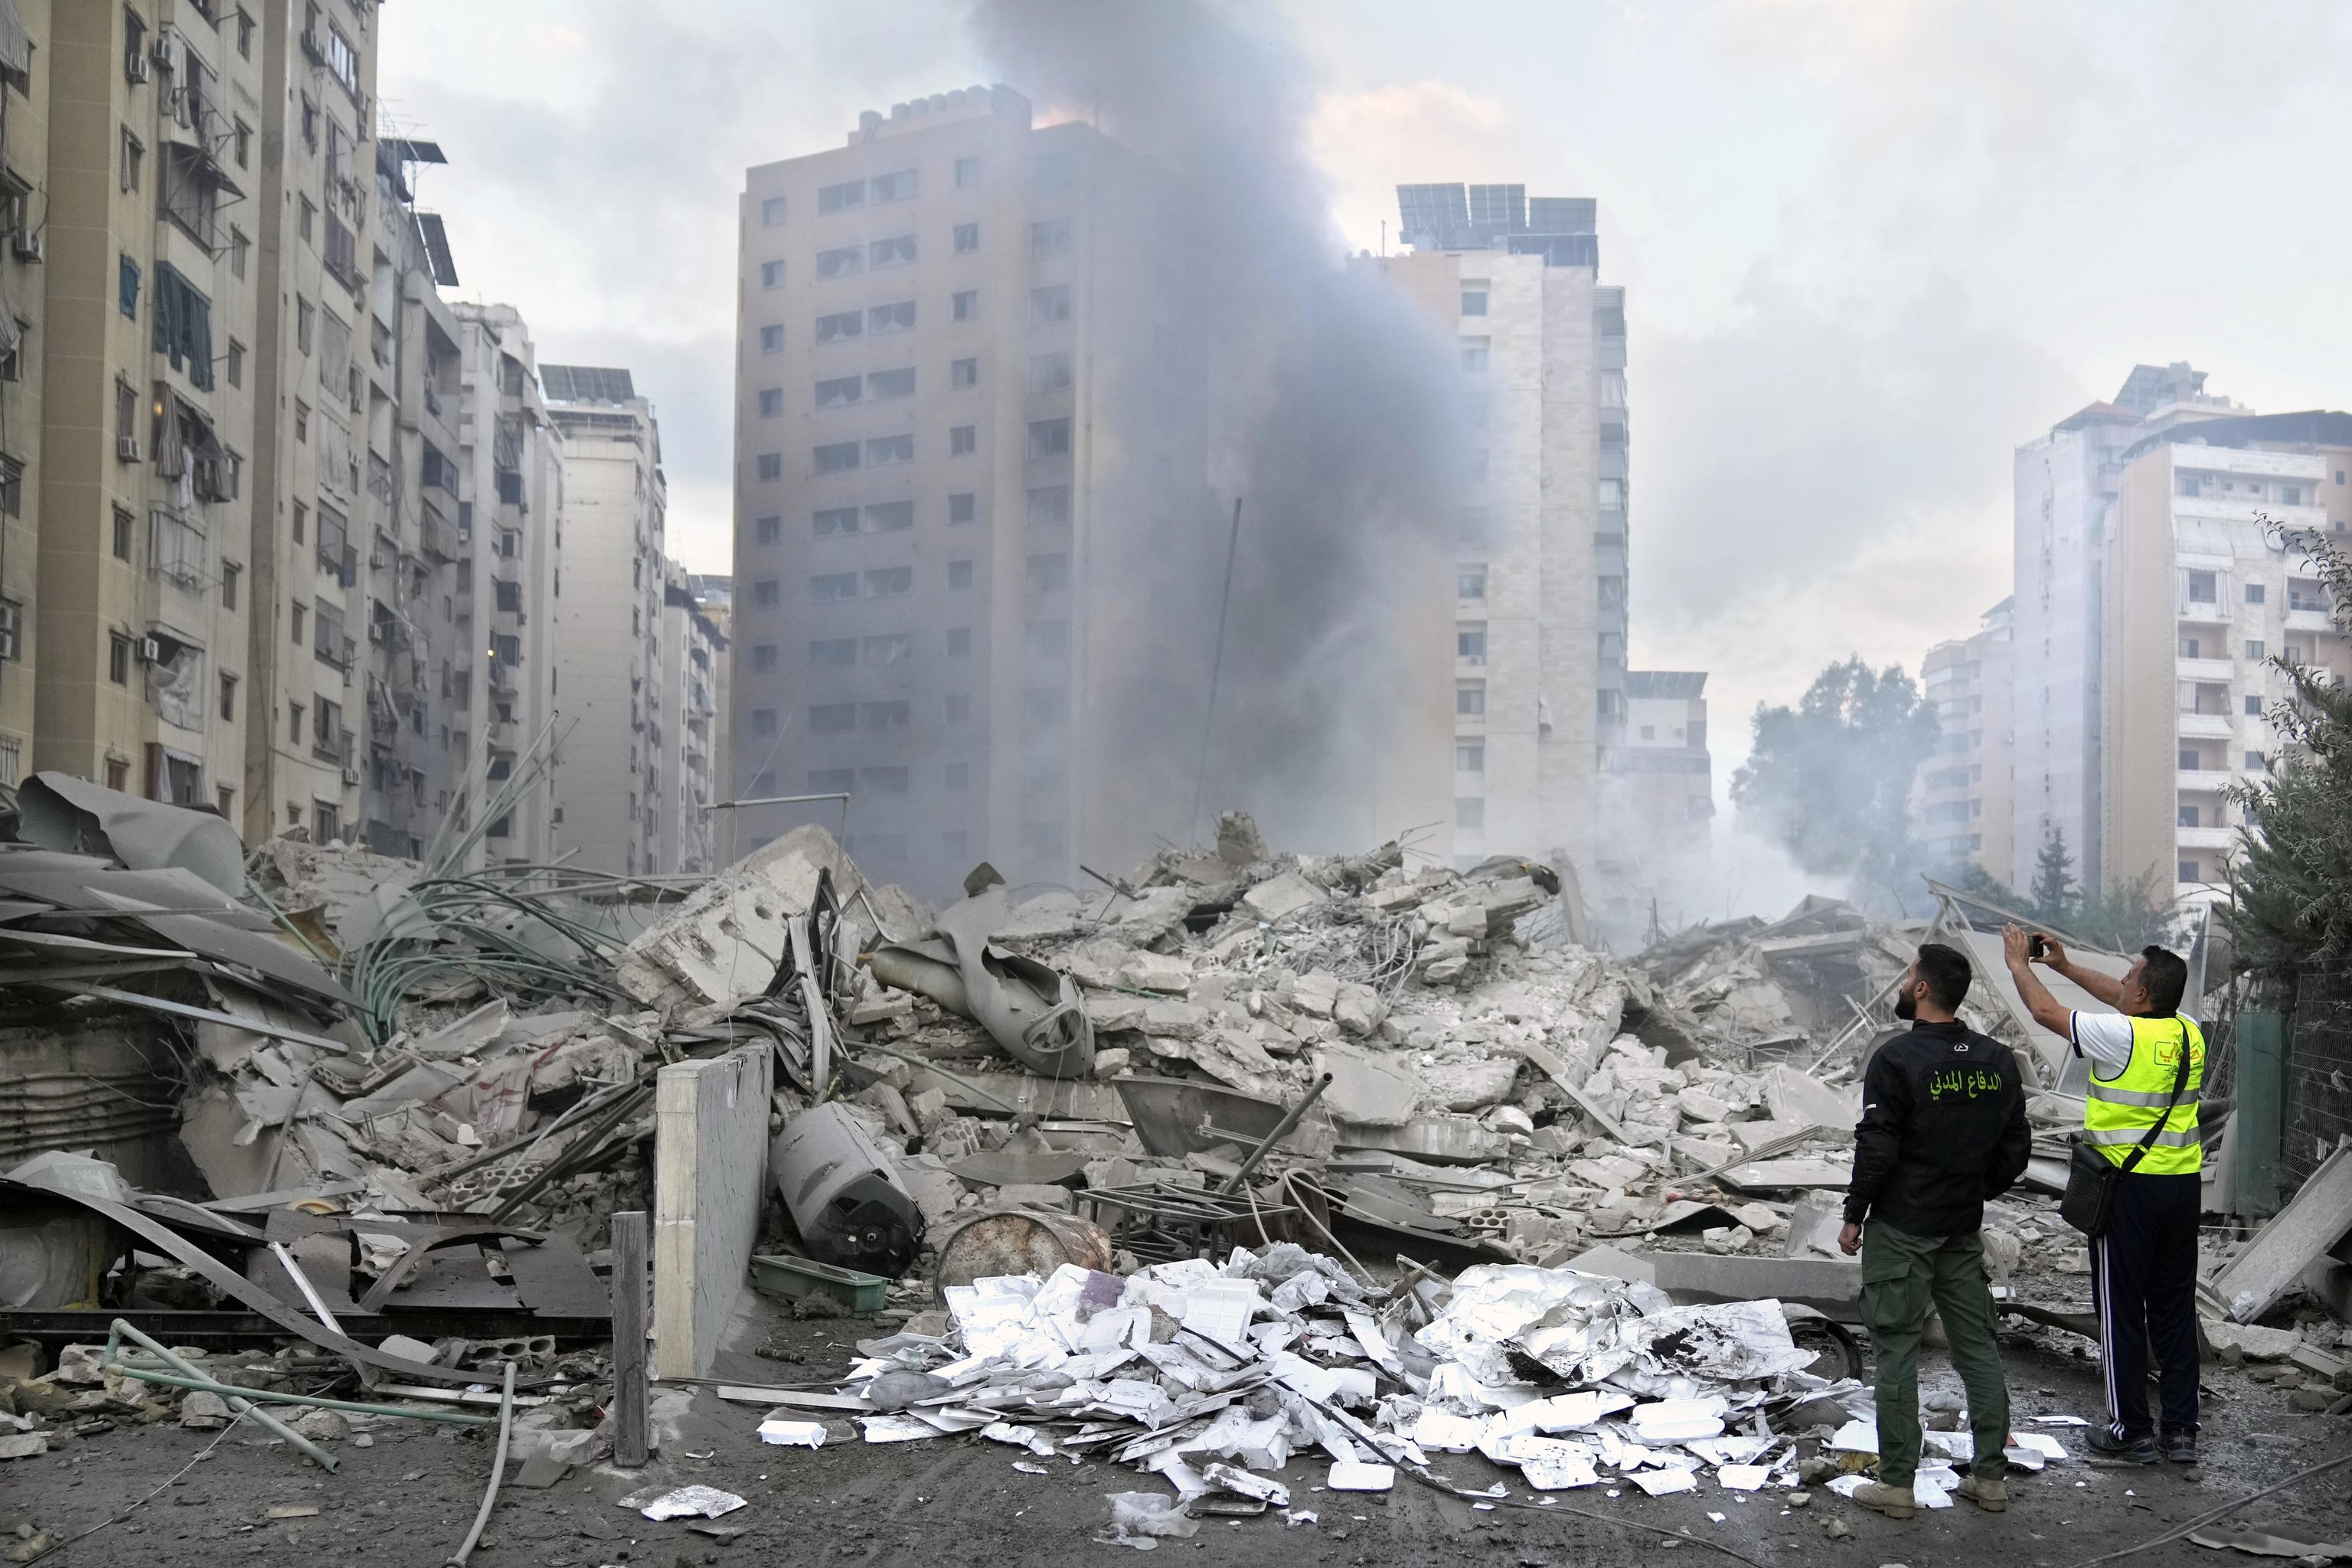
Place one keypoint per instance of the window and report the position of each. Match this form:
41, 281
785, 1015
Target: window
887, 582
832, 587
832, 458
134, 44
833, 653
242, 138
310, 123
229, 697
1049, 574
1044, 706
134, 152
767, 529
2185, 871
126, 296
772, 275
832, 781
2253, 648
123, 523
967, 238
963, 372
894, 318
959, 574
2186, 816
1470, 813
959, 709
842, 261
770, 465
885, 715
1049, 238
2254, 764
884, 450
888, 517
12, 487
839, 391
771, 340
2188, 648
2290, 495
303, 313
2189, 760
239, 245
844, 324
1470, 583
1049, 505
1470, 644
771, 403
117, 658
959, 642
891, 383
1473, 301
1473, 353
2202, 588
964, 305
235, 362
962, 506
840, 198
898, 250
1049, 438
772, 211
300, 512
963, 440
1470, 699
1470, 756
230, 573
898, 187
307, 219
1047, 305
828, 522
2254, 593
1047, 640
967, 172
890, 648
763, 721
763, 656
1049, 372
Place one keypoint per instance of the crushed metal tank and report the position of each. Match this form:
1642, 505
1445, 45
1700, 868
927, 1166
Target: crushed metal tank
837, 1185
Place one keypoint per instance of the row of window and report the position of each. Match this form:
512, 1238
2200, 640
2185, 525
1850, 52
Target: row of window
1048, 239
878, 190
2302, 593
1043, 639
1048, 439
1040, 706
2256, 651
1045, 574
955, 777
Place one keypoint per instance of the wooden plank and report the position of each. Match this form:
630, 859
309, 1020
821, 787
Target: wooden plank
710, 1170
632, 1438
554, 1277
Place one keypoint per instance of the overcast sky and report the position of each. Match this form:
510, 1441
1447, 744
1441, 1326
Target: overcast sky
1868, 247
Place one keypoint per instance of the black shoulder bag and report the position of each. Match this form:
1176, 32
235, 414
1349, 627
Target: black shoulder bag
2092, 1177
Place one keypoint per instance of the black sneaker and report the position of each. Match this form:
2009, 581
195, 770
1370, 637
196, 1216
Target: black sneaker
2178, 1448
2109, 1452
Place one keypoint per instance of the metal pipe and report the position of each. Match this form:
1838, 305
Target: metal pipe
497, 1472
309, 1291
203, 1385
1281, 1130
237, 1402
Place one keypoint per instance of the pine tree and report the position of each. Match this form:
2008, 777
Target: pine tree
2054, 891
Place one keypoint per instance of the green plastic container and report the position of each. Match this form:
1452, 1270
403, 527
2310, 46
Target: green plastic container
861, 1295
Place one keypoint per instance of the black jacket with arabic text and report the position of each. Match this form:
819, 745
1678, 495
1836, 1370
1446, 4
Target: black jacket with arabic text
1943, 1129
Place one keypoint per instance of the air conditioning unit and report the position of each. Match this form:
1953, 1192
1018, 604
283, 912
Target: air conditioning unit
351, 777
151, 651
29, 245
7, 642
127, 449
134, 68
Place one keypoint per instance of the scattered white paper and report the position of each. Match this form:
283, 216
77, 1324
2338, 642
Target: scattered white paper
1360, 1478
1661, 1483
1857, 1437
684, 1503
2042, 1443
793, 1434
2059, 1421
1743, 1477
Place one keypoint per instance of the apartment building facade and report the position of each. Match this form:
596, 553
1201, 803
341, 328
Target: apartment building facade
693, 651
968, 413
148, 401
1660, 784
1960, 802
25, 53
616, 718
2203, 597
1539, 649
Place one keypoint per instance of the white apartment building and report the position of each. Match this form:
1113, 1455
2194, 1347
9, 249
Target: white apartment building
1960, 800
693, 650
613, 698
1539, 627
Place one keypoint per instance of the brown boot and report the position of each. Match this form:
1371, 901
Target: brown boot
1989, 1493
1894, 1502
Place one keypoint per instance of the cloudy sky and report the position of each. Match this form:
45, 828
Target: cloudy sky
1868, 247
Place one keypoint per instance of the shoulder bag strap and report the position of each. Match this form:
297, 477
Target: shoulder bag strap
2179, 1086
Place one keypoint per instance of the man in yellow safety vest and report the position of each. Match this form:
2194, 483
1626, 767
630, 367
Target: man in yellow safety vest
2144, 1265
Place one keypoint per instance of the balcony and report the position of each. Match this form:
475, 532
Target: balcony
2203, 781
2204, 612
2213, 670
2308, 617
2207, 726
2205, 837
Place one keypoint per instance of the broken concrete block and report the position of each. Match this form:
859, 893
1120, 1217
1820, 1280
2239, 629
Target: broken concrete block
1115, 1010
1112, 1062
1358, 1008
1388, 901
1315, 994
1700, 1106
1033, 1195
1367, 1090
1239, 842
887, 1009
1155, 971
1795, 1097
1177, 1020
1467, 923
321, 1426
1445, 971
1283, 895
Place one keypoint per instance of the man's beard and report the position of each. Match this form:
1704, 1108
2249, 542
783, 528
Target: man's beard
1907, 1007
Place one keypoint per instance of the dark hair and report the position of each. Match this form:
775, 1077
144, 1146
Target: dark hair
1945, 971
2165, 977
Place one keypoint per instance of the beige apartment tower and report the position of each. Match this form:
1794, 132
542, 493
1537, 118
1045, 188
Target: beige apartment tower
968, 417
25, 55
1960, 800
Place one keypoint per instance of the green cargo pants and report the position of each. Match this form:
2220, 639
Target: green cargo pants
1902, 1276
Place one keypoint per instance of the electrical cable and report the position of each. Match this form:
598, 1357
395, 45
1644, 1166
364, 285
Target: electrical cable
2211, 1515
202, 1454
497, 1472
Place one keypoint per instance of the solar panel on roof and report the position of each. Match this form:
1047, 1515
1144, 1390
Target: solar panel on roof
586, 384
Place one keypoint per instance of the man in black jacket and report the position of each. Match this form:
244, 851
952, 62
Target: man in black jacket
1943, 1129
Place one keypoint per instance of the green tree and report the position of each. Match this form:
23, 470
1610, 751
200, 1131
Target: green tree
1829, 779
2125, 918
2051, 896
2291, 887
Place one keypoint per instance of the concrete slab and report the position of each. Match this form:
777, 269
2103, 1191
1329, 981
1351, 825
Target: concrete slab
2315, 1219
710, 1167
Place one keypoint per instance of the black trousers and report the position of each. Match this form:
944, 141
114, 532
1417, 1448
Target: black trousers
2144, 1279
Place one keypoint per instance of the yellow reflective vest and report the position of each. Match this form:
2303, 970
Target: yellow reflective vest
2118, 1111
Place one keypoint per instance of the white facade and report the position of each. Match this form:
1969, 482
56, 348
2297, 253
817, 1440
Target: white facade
692, 650
609, 653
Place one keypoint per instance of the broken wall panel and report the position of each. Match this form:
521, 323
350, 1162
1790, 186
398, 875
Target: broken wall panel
711, 1166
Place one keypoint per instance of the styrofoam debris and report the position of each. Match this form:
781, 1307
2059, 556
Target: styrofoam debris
793, 1434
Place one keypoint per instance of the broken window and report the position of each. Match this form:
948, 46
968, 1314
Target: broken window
1047, 305
884, 517
963, 440
833, 653
840, 262
1049, 438
767, 529
964, 305
771, 403
843, 324
839, 391
840, 198
885, 715
893, 187
772, 275
967, 238
884, 450
891, 647
827, 521
898, 317
771, 340
891, 382
834, 457
1049, 574
963, 372
962, 506
886, 582
898, 250
832, 587
770, 465
1049, 237
1049, 372
763, 656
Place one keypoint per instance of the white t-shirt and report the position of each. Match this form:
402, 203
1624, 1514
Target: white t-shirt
2106, 1039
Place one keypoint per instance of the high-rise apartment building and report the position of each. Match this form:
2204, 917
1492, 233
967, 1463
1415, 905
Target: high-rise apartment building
1539, 604
508, 581
151, 380
693, 651
968, 435
23, 160
612, 698
1960, 799
1660, 788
